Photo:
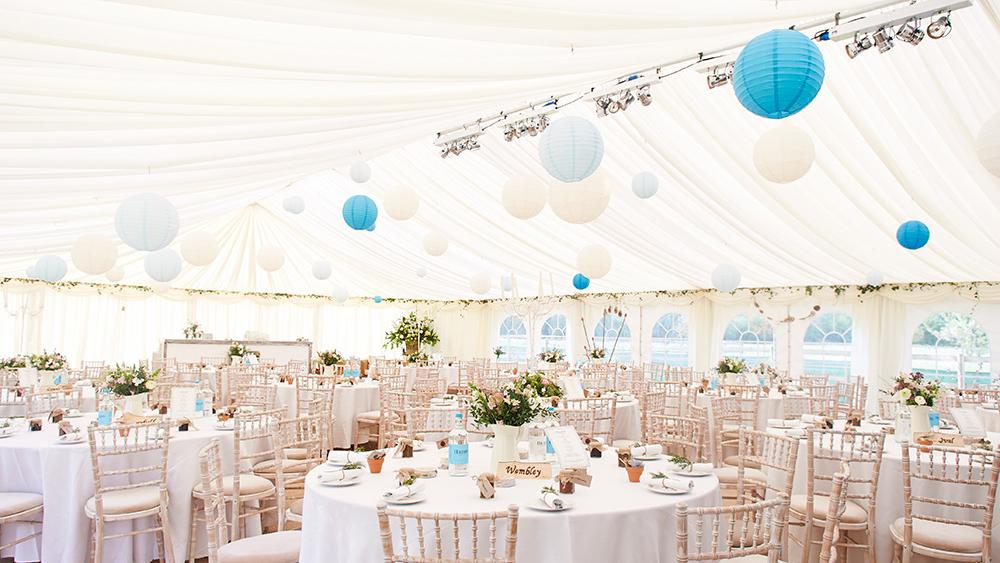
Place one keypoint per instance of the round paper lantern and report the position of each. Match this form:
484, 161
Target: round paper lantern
199, 248
159, 288
988, 145
115, 274
371, 228
377, 299
593, 261
874, 278
146, 222
339, 294
726, 277
294, 204
163, 265
913, 235
270, 257
524, 196
360, 171
581, 282
480, 283
50, 268
580, 202
29, 272
506, 282
360, 212
778, 73
784, 154
421, 272
571, 148
94, 254
435, 243
645, 184
401, 202
322, 269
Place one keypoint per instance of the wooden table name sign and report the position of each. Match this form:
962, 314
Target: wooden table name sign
525, 470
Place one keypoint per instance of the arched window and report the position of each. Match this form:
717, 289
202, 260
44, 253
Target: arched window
612, 333
670, 340
749, 338
952, 348
826, 347
554, 335
513, 339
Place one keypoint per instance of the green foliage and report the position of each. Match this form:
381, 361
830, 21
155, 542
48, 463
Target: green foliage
131, 380
330, 357
410, 328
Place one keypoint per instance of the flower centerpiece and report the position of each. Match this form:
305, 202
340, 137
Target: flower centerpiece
411, 332
328, 359
596, 353
541, 385
47, 365
132, 384
506, 410
917, 393
770, 377
552, 356
730, 368
13, 362
236, 352
193, 331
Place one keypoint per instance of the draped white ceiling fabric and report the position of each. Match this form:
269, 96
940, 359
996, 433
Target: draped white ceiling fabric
227, 107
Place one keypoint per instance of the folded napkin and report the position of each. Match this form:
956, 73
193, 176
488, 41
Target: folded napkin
552, 500
810, 418
336, 475
795, 433
404, 491
775, 422
345, 457
673, 483
698, 468
648, 450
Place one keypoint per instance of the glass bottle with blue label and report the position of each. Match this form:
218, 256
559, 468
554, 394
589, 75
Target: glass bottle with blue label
458, 449
105, 408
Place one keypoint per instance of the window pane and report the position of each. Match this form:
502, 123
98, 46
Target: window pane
952, 348
749, 338
553, 334
670, 340
513, 339
826, 348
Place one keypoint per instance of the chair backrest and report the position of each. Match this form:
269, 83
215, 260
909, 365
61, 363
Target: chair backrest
796, 406
429, 545
594, 417
771, 453
303, 433
309, 387
887, 408
258, 396
835, 509
14, 401
652, 400
215, 361
210, 458
113, 454
749, 399
42, 403
254, 441
732, 531
861, 452
421, 421
679, 435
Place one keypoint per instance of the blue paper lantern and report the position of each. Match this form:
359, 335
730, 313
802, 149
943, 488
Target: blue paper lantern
778, 73
913, 235
571, 148
163, 265
581, 282
50, 268
360, 212
377, 299
371, 228
147, 222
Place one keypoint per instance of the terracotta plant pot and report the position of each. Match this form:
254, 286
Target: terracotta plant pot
634, 473
375, 465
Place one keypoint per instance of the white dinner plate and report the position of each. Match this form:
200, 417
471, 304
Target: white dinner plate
880, 422
224, 427
539, 505
74, 415
340, 483
666, 490
692, 473
648, 457
68, 442
408, 500
7, 434
788, 424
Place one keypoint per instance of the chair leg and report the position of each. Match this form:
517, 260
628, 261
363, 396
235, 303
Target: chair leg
168, 548
91, 545
192, 535
98, 541
158, 547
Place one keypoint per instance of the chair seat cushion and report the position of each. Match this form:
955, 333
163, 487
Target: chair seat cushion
728, 474
296, 507
296, 453
279, 547
249, 485
941, 536
128, 500
854, 513
15, 503
734, 460
373, 416
289, 466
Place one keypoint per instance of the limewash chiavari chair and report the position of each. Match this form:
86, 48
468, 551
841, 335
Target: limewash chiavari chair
93, 370
593, 417
794, 407
923, 530
861, 452
750, 396
654, 371
379, 419
43, 403
433, 544
128, 489
887, 408
731, 532
309, 389
20, 508
762, 458
726, 411
257, 396
422, 421
652, 401
678, 435
279, 547
304, 436
13, 401
676, 394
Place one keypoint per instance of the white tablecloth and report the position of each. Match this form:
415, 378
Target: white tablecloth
628, 421
613, 520
34, 462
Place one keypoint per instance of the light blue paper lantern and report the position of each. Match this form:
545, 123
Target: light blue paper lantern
913, 235
50, 268
371, 228
581, 282
778, 73
147, 222
571, 148
163, 265
645, 184
360, 212
377, 299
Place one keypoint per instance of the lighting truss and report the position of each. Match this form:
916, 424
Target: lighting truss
619, 96
455, 144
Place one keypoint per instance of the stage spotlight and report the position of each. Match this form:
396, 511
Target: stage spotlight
861, 43
939, 28
910, 32
883, 40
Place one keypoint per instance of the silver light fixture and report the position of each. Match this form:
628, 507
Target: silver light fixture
720, 75
939, 27
861, 43
910, 32
645, 96
883, 40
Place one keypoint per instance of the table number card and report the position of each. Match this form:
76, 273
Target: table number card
568, 447
182, 402
523, 470
968, 421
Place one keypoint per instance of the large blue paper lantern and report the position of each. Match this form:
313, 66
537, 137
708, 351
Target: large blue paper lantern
913, 235
571, 148
50, 268
360, 212
581, 282
778, 73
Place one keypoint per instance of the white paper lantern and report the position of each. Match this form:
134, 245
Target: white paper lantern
988, 145
875, 277
435, 243
784, 154
159, 288
147, 222
507, 282
322, 269
421, 272
29, 272
524, 196
115, 274
199, 248
571, 149
94, 254
580, 202
593, 261
645, 184
339, 294
50, 268
726, 277
163, 265
480, 283
270, 258
294, 204
360, 171
401, 202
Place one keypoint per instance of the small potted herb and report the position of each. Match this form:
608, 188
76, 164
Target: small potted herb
683, 464
375, 461
634, 469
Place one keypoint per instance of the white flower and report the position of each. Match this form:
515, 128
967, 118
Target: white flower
920, 400
905, 394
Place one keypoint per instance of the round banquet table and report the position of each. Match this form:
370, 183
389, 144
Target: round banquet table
35, 462
613, 520
628, 421
348, 402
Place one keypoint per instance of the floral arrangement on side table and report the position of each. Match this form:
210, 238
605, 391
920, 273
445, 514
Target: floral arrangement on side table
237, 349
552, 356
13, 362
193, 331
329, 357
48, 362
411, 332
126, 381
